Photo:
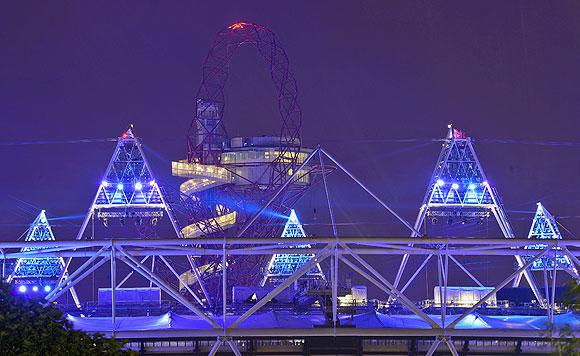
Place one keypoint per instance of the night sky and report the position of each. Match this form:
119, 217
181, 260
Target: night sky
369, 74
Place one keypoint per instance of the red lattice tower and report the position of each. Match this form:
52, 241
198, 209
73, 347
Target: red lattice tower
206, 139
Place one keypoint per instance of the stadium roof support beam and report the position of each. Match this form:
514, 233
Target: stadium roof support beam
319, 150
417, 271
390, 289
179, 279
451, 346
385, 289
278, 192
76, 281
127, 250
498, 287
319, 257
384, 205
151, 276
69, 278
466, 271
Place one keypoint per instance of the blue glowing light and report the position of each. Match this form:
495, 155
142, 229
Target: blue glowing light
471, 186
105, 183
485, 184
120, 186
152, 183
455, 186
22, 289
138, 186
440, 182
35, 289
47, 288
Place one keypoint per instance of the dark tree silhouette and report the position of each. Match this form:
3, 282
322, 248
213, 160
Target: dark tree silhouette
27, 328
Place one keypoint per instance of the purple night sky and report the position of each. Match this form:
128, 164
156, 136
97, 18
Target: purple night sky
369, 73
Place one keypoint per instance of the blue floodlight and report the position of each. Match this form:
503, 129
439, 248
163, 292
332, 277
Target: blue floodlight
47, 288
440, 182
152, 183
455, 186
485, 184
35, 289
105, 183
22, 289
471, 186
138, 186
120, 186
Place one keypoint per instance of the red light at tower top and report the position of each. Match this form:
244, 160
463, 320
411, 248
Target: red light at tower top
128, 133
238, 25
456, 133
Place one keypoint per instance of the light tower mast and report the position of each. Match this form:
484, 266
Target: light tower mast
128, 190
459, 189
284, 265
38, 276
544, 227
127, 196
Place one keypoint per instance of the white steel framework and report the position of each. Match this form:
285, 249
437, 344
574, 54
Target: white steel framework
459, 188
35, 268
352, 251
43, 273
544, 227
127, 191
283, 265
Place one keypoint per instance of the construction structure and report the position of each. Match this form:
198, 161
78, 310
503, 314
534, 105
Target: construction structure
282, 265
459, 191
128, 193
38, 276
230, 178
128, 202
240, 231
545, 227
264, 328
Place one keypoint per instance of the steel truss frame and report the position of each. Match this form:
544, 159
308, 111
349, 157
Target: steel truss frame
349, 250
544, 227
128, 189
286, 264
205, 137
48, 268
468, 193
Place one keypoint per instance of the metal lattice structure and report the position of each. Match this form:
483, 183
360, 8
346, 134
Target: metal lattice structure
229, 179
41, 274
544, 227
353, 252
207, 133
128, 199
128, 189
33, 269
459, 188
286, 264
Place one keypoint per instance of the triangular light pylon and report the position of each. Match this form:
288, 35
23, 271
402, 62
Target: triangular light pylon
544, 227
128, 188
38, 276
459, 189
284, 265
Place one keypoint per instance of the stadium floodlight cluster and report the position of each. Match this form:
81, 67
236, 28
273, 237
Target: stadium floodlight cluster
460, 188
544, 227
284, 265
33, 276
